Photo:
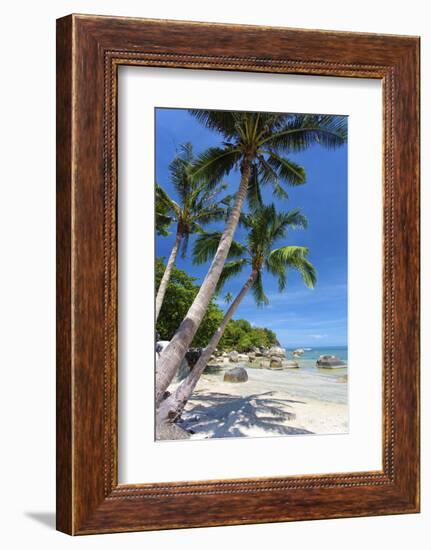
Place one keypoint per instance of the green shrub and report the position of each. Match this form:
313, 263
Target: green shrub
180, 293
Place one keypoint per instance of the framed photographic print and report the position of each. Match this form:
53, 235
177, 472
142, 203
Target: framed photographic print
237, 274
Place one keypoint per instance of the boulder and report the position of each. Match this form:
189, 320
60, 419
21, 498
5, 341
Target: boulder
264, 363
276, 363
298, 351
233, 356
236, 375
251, 357
213, 368
192, 356
276, 351
330, 362
242, 357
288, 364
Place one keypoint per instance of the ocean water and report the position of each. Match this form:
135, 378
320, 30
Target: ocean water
308, 359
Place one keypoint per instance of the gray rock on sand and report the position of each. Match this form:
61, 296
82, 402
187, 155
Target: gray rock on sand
330, 362
236, 375
276, 363
288, 364
233, 356
242, 358
277, 352
264, 363
216, 360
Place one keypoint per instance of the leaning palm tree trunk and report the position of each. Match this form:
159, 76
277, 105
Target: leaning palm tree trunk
174, 353
172, 407
167, 275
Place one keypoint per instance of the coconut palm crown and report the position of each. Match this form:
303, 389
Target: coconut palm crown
198, 205
263, 139
264, 227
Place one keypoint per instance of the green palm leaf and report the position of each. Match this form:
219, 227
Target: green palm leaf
288, 171
301, 131
295, 218
213, 164
259, 295
230, 269
224, 122
165, 201
291, 257
254, 196
206, 245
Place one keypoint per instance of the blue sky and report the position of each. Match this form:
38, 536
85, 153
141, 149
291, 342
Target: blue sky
299, 316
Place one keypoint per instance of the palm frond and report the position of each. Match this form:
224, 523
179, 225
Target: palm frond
230, 269
288, 171
307, 271
211, 214
165, 201
163, 223
293, 257
267, 175
196, 227
301, 131
213, 164
224, 122
186, 152
206, 245
179, 177
184, 244
254, 196
295, 218
259, 295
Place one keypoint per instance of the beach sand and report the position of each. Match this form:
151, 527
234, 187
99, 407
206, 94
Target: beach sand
270, 403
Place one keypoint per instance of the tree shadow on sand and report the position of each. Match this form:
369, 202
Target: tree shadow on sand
223, 415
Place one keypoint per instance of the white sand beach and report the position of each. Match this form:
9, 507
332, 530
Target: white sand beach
270, 403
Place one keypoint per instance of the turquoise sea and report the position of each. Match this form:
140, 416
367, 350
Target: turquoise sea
309, 357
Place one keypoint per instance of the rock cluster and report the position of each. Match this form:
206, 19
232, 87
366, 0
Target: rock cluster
273, 358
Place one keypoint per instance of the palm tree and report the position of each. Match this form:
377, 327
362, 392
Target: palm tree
198, 206
256, 144
265, 226
228, 298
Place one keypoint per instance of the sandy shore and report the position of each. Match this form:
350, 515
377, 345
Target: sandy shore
285, 402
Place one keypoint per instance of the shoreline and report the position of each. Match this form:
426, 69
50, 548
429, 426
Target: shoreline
271, 402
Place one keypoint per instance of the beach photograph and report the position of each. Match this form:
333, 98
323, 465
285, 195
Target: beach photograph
251, 274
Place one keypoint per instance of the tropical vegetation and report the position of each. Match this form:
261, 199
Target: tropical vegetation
256, 145
265, 226
198, 205
181, 290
